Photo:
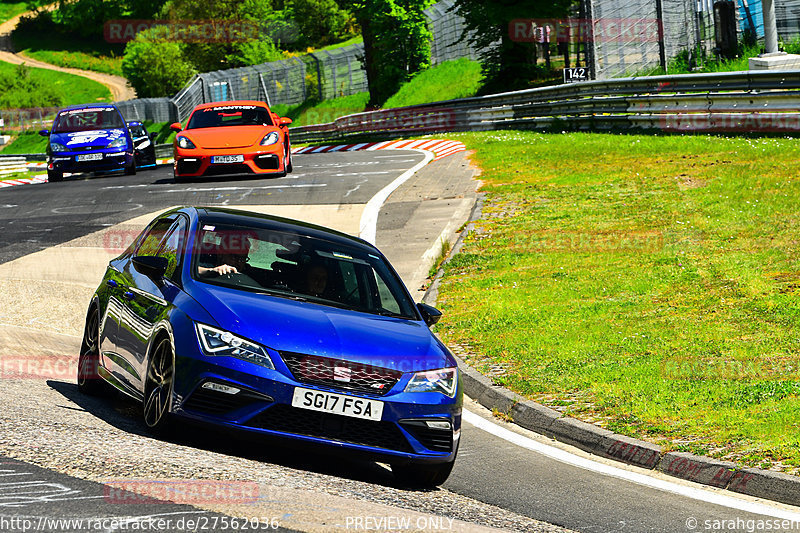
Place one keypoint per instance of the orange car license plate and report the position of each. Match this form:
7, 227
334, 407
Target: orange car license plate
227, 159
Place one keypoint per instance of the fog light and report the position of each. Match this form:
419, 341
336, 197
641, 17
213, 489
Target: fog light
438, 424
219, 387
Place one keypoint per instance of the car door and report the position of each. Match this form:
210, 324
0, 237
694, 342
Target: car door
153, 299
137, 304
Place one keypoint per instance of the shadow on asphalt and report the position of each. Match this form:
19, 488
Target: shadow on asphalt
125, 414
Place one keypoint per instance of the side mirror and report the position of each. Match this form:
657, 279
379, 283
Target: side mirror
284, 121
430, 314
44, 133
175, 126
153, 136
151, 266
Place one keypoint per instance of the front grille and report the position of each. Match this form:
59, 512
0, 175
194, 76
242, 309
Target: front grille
188, 167
216, 402
438, 440
287, 419
338, 374
218, 169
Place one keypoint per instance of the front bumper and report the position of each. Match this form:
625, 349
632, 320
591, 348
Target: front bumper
109, 160
196, 163
263, 406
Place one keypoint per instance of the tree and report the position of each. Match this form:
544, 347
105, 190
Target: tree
397, 42
506, 64
155, 65
321, 22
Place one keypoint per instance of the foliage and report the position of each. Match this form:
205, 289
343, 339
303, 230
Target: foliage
155, 65
321, 22
509, 65
9, 10
396, 42
682, 63
86, 18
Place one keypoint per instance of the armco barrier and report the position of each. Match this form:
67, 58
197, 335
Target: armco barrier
717, 102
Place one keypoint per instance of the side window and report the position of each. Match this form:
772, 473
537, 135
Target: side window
152, 240
172, 247
387, 301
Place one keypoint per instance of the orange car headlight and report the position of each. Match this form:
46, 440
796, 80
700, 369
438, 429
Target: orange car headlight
184, 142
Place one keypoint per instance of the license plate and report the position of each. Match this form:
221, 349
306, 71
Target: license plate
338, 404
89, 157
227, 159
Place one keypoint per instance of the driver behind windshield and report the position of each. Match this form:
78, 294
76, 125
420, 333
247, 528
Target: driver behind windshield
231, 259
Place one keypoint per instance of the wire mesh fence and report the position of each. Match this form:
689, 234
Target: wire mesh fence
447, 29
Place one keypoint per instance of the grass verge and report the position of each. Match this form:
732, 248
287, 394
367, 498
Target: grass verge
460, 78
27, 143
647, 284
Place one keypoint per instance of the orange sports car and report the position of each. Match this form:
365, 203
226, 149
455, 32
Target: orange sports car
238, 137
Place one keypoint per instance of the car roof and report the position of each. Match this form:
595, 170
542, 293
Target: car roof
88, 106
218, 215
134, 123
233, 102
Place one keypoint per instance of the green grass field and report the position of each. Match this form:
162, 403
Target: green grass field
48, 45
11, 8
33, 87
460, 78
649, 284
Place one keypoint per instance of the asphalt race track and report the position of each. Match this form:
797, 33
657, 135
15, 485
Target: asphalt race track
49, 431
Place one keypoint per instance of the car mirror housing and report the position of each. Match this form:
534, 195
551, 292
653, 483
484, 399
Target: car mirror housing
285, 121
153, 136
176, 126
430, 314
44, 133
151, 266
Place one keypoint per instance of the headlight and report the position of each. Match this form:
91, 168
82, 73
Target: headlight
184, 142
55, 147
444, 380
218, 342
119, 143
270, 138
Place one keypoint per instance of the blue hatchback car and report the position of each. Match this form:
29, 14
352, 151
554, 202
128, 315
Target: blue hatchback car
89, 138
278, 328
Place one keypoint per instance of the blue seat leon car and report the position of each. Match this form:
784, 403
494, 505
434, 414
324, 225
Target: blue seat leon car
277, 328
88, 138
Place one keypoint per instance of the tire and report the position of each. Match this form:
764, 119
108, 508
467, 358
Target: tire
289, 166
89, 380
178, 179
422, 475
158, 387
131, 170
55, 175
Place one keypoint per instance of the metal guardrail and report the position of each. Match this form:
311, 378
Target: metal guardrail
749, 101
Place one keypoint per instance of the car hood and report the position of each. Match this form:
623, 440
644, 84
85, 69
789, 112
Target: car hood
86, 139
227, 136
308, 328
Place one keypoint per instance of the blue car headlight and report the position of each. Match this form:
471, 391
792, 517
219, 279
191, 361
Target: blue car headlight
219, 342
119, 143
270, 138
444, 380
56, 147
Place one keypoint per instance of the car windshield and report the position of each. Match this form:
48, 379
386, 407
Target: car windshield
138, 131
87, 119
230, 115
299, 267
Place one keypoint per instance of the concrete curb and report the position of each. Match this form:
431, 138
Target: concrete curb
530, 415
